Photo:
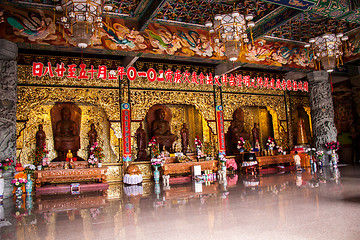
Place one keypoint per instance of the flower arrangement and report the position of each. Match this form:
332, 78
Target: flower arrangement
45, 162
19, 182
333, 145
40, 153
6, 164
198, 143
247, 146
241, 143
156, 162
92, 160
29, 168
270, 143
222, 158
154, 148
319, 154
97, 152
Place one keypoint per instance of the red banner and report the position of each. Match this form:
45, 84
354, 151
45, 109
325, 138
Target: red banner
168, 76
125, 115
220, 129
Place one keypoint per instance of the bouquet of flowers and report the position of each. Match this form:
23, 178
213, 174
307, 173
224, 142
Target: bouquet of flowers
319, 154
241, 143
97, 152
40, 153
222, 158
92, 160
29, 168
6, 164
198, 143
45, 162
154, 148
333, 145
156, 162
19, 182
270, 143
280, 149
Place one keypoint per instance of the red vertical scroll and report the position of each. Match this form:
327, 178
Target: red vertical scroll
125, 115
220, 129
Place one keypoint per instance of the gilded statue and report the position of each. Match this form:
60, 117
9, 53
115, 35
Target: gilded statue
40, 137
141, 143
92, 134
161, 130
66, 134
184, 138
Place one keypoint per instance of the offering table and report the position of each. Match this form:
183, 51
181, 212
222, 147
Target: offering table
70, 175
185, 167
279, 159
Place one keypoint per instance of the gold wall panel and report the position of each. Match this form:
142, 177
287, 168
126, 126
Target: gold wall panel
114, 172
141, 101
250, 104
35, 103
25, 77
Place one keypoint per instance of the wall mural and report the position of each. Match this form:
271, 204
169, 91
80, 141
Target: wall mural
38, 27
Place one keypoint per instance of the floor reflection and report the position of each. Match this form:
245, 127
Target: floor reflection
137, 211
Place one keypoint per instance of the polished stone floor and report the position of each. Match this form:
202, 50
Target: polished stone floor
288, 206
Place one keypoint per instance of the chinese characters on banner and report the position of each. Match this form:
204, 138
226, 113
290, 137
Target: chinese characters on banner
168, 76
220, 129
125, 119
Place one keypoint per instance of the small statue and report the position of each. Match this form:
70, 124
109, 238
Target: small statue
257, 146
255, 134
92, 134
69, 155
184, 138
141, 143
165, 153
40, 137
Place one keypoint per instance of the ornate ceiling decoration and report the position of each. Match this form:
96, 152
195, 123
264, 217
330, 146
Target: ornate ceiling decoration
306, 26
200, 11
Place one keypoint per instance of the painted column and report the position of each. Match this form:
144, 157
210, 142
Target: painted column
8, 98
8, 95
322, 110
126, 133
220, 129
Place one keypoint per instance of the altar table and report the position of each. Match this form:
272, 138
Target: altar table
185, 168
70, 175
275, 160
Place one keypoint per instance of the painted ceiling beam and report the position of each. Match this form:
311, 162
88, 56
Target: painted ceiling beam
273, 20
149, 13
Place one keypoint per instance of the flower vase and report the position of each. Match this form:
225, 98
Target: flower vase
241, 150
29, 185
18, 192
156, 174
39, 167
2, 186
99, 165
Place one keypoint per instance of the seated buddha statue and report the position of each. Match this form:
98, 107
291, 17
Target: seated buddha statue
66, 135
236, 131
161, 130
